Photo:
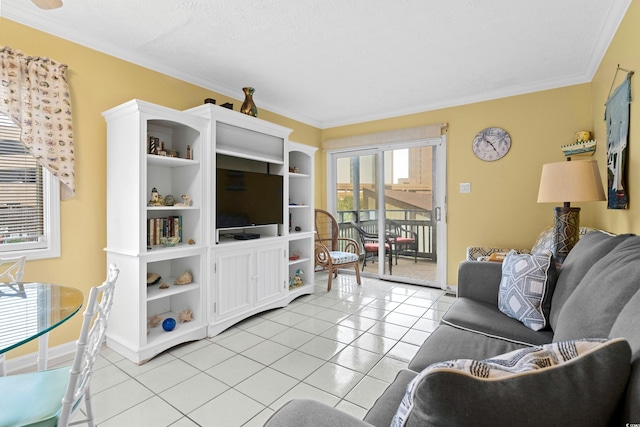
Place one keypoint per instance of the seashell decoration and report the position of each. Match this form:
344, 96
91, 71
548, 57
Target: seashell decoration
184, 279
185, 315
153, 278
154, 321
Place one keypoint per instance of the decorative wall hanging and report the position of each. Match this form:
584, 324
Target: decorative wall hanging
35, 94
617, 119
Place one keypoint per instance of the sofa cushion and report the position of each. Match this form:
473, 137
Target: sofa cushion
537, 386
486, 319
309, 413
448, 342
527, 284
595, 305
589, 250
627, 325
385, 407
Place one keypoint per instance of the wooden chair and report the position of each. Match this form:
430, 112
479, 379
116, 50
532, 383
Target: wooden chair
333, 252
370, 244
51, 397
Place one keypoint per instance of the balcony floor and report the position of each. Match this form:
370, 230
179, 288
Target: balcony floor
423, 269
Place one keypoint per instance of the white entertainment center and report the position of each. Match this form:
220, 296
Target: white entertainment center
238, 265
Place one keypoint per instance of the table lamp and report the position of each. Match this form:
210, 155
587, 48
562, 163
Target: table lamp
570, 181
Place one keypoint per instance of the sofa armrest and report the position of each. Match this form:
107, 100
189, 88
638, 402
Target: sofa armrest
479, 280
309, 413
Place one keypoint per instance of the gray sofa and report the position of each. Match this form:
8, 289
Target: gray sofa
596, 295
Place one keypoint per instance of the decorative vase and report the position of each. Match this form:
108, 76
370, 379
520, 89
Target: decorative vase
248, 107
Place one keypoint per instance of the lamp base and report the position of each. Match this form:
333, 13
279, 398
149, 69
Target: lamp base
566, 230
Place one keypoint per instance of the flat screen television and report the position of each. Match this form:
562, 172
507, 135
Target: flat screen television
247, 198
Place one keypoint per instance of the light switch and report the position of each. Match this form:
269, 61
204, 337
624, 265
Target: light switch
465, 187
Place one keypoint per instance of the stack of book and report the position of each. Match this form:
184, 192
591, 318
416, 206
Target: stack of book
158, 228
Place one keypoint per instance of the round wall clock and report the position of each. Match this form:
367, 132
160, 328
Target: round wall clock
491, 144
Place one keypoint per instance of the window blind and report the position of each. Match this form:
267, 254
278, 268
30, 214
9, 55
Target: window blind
21, 192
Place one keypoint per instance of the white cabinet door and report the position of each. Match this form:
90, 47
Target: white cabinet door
235, 279
271, 282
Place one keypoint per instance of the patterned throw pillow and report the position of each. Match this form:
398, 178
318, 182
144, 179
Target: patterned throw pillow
526, 288
565, 383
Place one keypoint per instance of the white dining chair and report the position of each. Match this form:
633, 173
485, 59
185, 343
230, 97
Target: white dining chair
12, 269
52, 397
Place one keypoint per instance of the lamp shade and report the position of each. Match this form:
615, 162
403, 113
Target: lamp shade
574, 181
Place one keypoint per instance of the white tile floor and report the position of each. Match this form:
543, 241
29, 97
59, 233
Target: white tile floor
342, 348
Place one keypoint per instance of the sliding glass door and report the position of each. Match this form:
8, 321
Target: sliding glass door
391, 200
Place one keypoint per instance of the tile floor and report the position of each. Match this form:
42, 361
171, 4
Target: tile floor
341, 347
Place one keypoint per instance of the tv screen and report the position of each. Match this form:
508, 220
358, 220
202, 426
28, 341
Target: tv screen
247, 198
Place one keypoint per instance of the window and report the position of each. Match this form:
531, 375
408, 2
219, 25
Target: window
29, 200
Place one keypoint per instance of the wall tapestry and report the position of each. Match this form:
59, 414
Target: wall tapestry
617, 118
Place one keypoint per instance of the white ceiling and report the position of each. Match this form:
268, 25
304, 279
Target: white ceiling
334, 62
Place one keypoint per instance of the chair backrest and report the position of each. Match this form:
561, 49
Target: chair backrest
327, 231
94, 327
12, 269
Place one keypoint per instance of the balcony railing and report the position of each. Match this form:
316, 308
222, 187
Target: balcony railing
418, 221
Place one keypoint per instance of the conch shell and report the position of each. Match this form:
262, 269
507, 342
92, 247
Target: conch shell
184, 279
185, 315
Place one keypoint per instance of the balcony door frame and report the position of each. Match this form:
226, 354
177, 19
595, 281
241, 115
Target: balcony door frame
439, 196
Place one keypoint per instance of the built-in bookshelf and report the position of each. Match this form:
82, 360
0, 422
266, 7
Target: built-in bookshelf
150, 167
162, 182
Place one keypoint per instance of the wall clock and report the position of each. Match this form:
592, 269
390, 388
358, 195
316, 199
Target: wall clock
491, 144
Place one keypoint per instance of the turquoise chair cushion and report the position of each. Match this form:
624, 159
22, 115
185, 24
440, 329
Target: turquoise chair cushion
33, 399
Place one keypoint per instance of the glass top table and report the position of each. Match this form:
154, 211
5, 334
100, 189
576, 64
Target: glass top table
31, 310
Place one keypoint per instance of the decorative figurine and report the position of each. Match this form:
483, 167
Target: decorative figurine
185, 316
164, 285
192, 242
297, 280
184, 279
156, 199
153, 145
187, 201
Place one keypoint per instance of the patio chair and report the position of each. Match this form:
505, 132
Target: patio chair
403, 239
333, 252
370, 244
52, 397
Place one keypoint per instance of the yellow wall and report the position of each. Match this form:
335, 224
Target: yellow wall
624, 51
501, 209
99, 82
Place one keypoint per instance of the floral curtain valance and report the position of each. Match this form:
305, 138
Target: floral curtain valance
35, 94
